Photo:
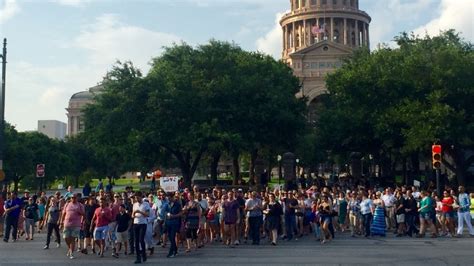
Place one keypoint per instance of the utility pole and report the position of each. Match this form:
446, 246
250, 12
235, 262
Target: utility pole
2, 109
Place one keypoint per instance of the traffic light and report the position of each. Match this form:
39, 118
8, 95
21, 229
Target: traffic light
436, 155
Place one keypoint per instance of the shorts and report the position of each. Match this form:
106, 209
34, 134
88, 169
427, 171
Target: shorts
400, 218
100, 233
425, 215
449, 215
87, 231
81, 234
71, 232
122, 237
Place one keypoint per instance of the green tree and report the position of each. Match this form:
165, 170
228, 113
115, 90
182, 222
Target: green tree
394, 103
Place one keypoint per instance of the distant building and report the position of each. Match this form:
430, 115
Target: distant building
75, 116
52, 128
317, 36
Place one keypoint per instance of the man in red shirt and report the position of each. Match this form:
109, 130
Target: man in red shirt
101, 219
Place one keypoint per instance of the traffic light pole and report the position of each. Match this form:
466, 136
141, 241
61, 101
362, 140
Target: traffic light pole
438, 187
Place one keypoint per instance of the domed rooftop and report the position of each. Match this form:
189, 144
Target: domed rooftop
83, 95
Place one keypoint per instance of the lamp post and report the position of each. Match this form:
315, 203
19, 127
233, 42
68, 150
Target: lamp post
279, 169
2, 108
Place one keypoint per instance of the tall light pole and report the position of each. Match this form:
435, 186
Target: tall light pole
2, 108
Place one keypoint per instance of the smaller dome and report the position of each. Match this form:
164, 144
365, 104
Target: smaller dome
83, 95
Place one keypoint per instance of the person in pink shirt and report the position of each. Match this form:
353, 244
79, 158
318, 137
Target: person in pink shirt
71, 223
102, 217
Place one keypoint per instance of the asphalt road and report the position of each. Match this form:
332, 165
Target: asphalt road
306, 251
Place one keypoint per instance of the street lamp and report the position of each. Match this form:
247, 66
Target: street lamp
2, 108
279, 169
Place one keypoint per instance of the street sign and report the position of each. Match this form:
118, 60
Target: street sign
2, 175
40, 170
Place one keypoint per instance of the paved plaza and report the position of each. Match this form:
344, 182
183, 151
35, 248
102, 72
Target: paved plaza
343, 250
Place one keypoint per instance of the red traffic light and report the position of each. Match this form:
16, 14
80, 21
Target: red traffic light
436, 148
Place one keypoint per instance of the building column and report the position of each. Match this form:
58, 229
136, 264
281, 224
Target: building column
357, 33
345, 31
293, 36
368, 36
285, 42
365, 34
331, 34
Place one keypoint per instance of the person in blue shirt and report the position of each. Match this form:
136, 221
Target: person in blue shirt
173, 222
12, 213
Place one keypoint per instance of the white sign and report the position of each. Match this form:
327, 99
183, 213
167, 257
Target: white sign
169, 183
416, 183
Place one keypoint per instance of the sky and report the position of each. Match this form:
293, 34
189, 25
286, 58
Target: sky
59, 47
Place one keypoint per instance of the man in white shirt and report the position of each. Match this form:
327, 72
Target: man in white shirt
389, 201
141, 210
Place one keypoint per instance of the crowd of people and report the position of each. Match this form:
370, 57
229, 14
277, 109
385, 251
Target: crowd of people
134, 223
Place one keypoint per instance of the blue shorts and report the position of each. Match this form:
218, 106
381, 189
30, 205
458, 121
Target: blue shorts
449, 215
100, 233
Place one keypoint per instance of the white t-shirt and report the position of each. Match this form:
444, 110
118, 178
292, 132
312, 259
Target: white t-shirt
388, 200
143, 207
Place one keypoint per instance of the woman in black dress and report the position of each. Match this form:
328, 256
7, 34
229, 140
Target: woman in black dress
273, 214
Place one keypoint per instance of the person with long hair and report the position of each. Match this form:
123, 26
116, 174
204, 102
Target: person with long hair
192, 212
325, 214
448, 212
378, 224
426, 211
51, 220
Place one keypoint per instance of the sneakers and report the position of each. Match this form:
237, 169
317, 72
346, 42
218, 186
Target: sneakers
58, 245
115, 255
71, 257
46, 247
171, 256
236, 242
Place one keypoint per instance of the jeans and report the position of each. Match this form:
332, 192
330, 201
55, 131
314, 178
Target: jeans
131, 239
410, 220
29, 227
172, 231
11, 221
139, 232
367, 222
255, 223
464, 217
290, 224
52, 227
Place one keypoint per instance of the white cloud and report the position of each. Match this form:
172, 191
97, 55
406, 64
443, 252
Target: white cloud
108, 40
388, 15
35, 91
8, 10
73, 3
453, 14
271, 43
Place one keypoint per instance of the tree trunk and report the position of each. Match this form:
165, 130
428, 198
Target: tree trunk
214, 164
235, 168
253, 157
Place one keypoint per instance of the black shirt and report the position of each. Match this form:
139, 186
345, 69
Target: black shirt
31, 211
290, 202
89, 213
123, 221
398, 203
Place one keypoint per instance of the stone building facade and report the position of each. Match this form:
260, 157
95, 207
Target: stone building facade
75, 116
317, 35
